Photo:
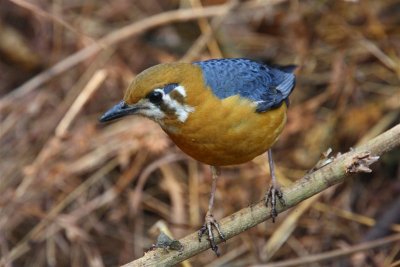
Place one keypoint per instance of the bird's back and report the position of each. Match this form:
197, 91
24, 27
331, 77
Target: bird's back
268, 87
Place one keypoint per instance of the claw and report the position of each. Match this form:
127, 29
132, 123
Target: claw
270, 198
208, 226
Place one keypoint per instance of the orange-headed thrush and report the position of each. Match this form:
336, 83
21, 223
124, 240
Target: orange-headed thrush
220, 112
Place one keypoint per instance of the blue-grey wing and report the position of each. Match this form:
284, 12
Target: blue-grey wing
266, 86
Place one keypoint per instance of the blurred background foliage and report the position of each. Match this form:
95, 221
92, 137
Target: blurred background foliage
77, 193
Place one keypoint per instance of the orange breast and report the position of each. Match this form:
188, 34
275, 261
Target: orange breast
226, 132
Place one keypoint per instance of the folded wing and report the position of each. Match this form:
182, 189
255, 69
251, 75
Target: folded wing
268, 87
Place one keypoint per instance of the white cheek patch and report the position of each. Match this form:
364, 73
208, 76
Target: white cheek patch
151, 111
181, 110
181, 90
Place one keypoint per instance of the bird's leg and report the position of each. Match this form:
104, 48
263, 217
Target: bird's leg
274, 190
210, 222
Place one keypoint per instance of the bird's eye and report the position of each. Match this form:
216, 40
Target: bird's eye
155, 97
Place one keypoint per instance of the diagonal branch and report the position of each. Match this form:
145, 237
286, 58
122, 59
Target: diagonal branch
357, 160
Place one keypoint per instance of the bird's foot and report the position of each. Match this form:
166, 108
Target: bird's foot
208, 226
274, 193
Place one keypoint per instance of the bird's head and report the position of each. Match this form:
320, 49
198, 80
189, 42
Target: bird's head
163, 93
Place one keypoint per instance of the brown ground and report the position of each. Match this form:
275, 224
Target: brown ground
77, 193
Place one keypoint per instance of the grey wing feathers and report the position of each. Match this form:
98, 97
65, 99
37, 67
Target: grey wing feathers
266, 86
278, 92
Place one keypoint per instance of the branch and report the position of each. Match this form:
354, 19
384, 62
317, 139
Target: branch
357, 160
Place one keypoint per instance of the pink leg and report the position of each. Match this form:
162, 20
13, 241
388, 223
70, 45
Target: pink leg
210, 222
274, 191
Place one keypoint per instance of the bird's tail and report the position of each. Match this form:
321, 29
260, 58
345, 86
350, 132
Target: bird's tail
287, 68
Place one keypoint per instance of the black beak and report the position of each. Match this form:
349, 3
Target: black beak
119, 110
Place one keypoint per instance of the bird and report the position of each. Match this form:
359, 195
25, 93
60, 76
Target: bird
220, 112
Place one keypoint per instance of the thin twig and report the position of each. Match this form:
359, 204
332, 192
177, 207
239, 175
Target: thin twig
285, 229
85, 95
146, 173
204, 25
202, 41
35, 9
334, 253
357, 160
24, 245
118, 36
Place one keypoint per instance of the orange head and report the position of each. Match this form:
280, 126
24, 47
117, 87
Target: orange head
161, 93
